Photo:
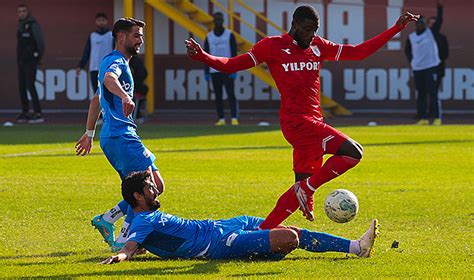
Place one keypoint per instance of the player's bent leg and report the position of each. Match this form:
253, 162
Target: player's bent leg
285, 206
347, 155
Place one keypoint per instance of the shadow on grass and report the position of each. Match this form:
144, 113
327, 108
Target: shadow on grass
243, 148
50, 255
202, 269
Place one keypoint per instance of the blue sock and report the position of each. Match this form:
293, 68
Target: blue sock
322, 242
123, 205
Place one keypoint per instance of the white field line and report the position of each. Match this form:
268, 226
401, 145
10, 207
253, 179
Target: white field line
40, 152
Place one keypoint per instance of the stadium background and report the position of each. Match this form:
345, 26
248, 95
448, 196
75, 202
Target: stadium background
381, 83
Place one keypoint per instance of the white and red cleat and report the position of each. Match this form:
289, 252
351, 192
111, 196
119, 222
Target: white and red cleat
305, 199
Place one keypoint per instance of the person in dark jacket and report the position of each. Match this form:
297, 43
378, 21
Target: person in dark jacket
29, 50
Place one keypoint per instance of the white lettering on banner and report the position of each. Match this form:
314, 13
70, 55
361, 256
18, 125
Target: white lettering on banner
197, 85
398, 88
77, 86
243, 90
174, 89
463, 84
376, 85
51, 82
55, 81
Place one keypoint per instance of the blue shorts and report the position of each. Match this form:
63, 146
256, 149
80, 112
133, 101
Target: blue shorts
240, 239
126, 153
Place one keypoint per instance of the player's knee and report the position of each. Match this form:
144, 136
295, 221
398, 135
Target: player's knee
360, 150
355, 151
293, 240
283, 241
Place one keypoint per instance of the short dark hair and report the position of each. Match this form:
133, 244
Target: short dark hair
134, 183
306, 12
101, 15
125, 24
22, 5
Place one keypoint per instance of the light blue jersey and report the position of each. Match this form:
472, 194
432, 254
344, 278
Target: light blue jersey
118, 137
115, 123
168, 236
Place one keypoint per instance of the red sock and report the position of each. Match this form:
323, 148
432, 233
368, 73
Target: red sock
333, 167
286, 205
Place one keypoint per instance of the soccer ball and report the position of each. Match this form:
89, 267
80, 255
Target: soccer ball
341, 206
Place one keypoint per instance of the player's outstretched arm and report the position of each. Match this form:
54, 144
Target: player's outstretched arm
126, 253
84, 144
363, 50
222, 64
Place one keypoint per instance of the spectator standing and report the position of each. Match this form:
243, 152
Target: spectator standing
422, 52
99, 44
221, 42
29, 49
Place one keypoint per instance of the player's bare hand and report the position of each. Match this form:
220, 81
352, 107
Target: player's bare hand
128, 105
193, 47
78, 71
110, 260
406, 18
84, 145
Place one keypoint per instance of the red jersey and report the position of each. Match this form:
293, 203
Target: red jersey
296, 71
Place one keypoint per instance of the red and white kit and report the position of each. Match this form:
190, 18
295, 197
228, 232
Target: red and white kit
296, 74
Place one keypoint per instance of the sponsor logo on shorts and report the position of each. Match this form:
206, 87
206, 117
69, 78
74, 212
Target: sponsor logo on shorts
231, 239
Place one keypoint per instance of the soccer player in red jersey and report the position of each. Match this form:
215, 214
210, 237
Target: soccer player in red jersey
294, 60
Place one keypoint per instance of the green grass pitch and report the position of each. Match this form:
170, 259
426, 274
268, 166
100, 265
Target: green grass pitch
418, 181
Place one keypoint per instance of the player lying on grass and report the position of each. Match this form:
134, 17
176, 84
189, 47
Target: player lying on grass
168, 236
294, 60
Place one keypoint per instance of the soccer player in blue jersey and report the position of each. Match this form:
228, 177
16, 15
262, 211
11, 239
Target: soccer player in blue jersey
168, 236
118, 136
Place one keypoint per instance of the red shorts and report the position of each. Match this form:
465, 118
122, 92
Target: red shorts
311, 139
